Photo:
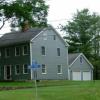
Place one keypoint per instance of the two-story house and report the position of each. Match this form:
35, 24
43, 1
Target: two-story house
45, 45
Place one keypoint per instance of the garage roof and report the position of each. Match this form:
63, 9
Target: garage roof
72, 57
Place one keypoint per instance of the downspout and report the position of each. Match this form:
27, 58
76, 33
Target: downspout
68, 65
31, 57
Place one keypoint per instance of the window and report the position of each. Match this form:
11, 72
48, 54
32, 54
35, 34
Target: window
81, 60
44, 36
17, 51
43, 50
43, 69
59, 69
58, 51
25, 69
54, 37
17, 69
7, 52
25, 50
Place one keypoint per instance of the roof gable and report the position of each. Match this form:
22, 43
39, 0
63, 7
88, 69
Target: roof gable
51, 28
73, 57
18, 37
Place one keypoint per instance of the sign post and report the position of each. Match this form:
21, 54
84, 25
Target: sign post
34, 68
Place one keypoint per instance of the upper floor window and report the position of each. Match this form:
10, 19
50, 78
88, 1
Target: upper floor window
7, 52
17, 51
81, 60
43, 50
25, 50
58, 51
17, 69
25, 69
54, 37
44, 36
43, 69
59, 69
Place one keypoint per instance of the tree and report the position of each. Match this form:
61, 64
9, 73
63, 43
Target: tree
19, 11
83, 32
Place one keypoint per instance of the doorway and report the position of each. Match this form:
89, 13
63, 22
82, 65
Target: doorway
7, 72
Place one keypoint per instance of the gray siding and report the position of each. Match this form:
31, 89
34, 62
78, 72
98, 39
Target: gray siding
77, 66
51, 60
82, 67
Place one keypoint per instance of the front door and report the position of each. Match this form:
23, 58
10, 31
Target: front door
7, 72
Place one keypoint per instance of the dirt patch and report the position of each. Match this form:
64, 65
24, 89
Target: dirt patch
12, 88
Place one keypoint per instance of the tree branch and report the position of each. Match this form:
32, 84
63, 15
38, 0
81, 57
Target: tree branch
4, 20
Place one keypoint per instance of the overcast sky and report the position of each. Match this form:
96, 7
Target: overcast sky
61, 11
64, 9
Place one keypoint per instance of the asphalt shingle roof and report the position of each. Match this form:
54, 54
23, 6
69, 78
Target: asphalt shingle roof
19, 37
72, 57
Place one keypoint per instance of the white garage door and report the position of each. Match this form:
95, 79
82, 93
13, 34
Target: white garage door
76, 75
86, 75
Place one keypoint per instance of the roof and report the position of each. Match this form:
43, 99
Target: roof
18, 37
72, 57
26, 36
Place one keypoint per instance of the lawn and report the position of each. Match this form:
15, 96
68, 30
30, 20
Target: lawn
54, 90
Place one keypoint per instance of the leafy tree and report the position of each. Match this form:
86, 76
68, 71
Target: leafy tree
82, 32
20, 11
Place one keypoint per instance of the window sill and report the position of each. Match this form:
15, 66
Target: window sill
44, 73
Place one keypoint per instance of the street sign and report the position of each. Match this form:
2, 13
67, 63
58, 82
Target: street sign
34, 65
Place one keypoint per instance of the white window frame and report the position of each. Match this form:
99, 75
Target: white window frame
6, 52
24, 68
44, 36
58, 52
60, 69
54, 37
45, 71
81, 59
16, 69
43, 54
16, 51
24, 50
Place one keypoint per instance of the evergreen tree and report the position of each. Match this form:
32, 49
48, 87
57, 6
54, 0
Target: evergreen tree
83, 33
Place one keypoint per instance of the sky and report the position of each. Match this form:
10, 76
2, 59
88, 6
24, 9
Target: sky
60, 11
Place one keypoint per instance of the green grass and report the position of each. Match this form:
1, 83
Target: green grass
55, 90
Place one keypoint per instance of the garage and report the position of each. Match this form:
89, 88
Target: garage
76, 75
79, 67
81, 75
86, 75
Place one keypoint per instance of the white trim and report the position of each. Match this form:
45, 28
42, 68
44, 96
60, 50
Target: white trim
16, 69
60, 69
5, 72
24, 68
81, 54
69, 74
74, 60
45, 69
38, 34
16, 50
58, 52
23, 49
66, 44
31, 59
88, 61
42, 49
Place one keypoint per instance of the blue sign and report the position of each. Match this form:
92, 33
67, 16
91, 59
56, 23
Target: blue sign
34, 65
